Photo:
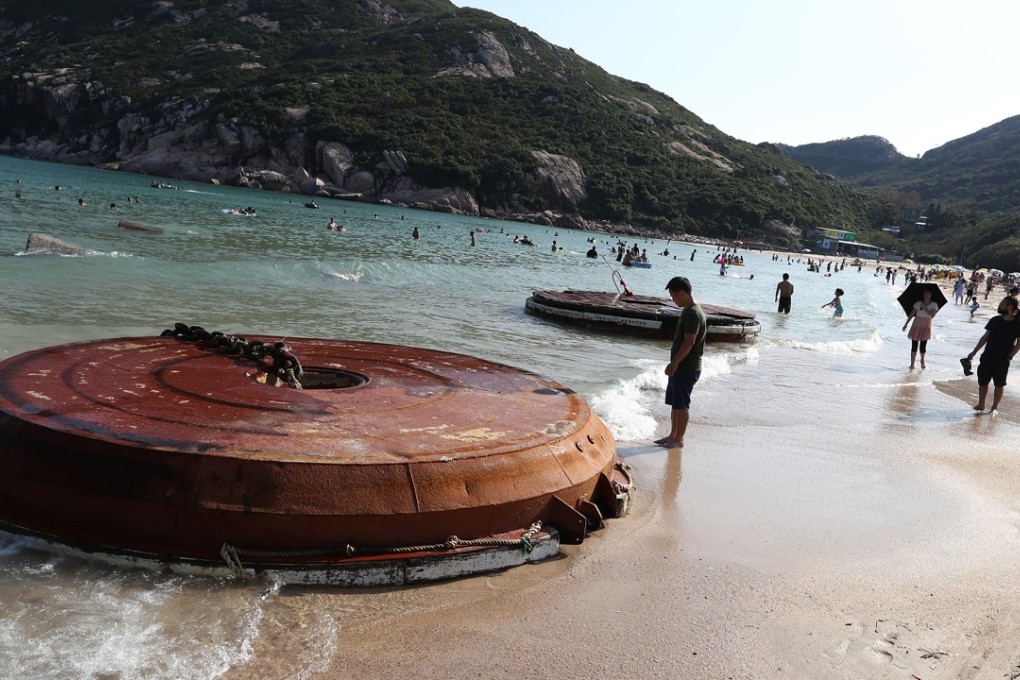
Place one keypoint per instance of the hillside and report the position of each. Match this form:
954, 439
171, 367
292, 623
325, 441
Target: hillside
849, 159
414, 102
980, 171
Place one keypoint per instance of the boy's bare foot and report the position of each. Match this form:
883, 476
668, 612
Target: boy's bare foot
979, 407
671, 443
663, 440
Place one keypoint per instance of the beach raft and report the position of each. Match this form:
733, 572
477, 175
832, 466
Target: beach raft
638, 315
318, 461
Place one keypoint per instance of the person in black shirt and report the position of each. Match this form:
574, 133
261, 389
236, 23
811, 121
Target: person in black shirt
1000, 343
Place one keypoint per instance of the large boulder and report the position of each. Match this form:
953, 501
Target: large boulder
775, 231
44, 244
495, 57
360, 182
447, 199
395, 162
267, 179
561, 180
313, 186
336, 161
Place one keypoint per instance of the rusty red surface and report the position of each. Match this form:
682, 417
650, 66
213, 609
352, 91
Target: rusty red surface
165, 446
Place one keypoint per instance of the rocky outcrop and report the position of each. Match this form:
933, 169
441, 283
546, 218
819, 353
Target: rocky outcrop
336, 160
447, 199
775, 231
700, 152
180, 141
383, 13
44, 244
561, 180
493, 55
489, 60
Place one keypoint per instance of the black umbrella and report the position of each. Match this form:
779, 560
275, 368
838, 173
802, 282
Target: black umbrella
915, 292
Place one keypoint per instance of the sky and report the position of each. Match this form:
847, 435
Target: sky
919, 73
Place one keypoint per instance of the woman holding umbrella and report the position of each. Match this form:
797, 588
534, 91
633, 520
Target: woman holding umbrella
922, 312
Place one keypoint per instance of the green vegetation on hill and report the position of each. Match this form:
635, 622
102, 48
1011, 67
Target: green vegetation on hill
969, 189
411, 76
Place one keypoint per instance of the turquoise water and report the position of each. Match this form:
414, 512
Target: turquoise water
841, 381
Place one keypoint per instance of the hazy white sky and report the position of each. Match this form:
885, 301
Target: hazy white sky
918, 72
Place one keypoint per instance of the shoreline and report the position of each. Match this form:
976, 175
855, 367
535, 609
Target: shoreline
646, 595
867, 534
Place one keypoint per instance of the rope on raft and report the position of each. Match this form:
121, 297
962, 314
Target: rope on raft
232, 555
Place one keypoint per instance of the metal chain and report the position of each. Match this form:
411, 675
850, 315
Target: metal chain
284, 364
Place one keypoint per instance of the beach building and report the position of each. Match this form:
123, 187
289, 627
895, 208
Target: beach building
842, 242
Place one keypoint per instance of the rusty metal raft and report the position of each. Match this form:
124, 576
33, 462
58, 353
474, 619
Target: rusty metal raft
314, 460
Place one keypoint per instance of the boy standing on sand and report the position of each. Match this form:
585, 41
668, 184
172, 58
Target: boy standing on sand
1000, 343
684, 366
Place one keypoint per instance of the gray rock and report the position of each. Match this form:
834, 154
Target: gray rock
493, 55
178, 141
776, 231
361, 182
395, 161
312, 186
336, 160
268, 179
44, 244
561, 180
447, 199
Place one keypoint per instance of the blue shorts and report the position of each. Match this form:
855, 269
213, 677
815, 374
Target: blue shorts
679, 388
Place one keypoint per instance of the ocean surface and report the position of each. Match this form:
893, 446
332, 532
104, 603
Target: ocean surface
283, 273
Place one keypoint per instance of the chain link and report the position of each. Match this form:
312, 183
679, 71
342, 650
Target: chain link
275, 358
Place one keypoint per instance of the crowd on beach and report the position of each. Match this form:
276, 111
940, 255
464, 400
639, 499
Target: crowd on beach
922, 299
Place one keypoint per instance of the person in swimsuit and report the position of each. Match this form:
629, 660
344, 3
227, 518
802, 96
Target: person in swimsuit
922, 313
784, 293
836, 303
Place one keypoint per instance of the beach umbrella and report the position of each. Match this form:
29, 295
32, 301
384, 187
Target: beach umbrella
995, 272
915, 292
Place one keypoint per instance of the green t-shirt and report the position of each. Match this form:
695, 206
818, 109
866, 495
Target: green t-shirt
692, 320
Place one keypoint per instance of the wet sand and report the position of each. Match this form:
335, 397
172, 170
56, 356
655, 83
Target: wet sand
884, 547
861, 534
646, 598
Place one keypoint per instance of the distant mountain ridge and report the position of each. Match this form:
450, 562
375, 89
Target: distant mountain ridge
845, 158
981, 170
